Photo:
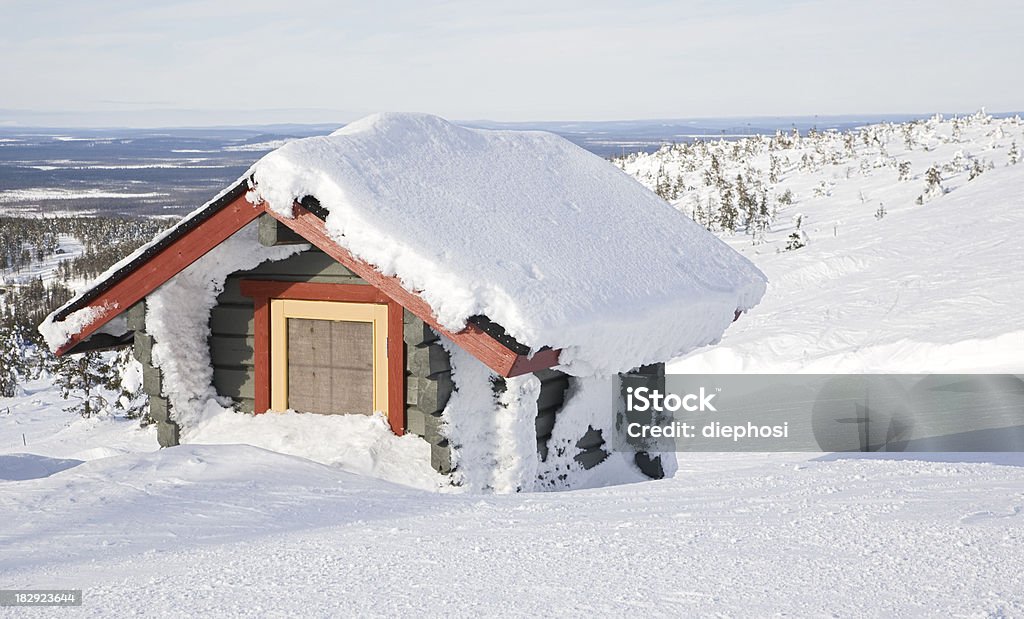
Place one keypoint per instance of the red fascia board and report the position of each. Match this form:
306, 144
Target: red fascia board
165, 264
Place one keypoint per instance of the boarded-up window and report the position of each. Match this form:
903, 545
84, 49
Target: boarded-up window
330, 366
328, 356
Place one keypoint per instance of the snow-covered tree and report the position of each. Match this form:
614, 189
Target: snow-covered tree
713, 173
746, 204
662, 186
132, 400
795, 241
797, 238
13, 366
957, 164
975, 170
85, 380
957, 129
774, 168
932, 183
727, 213
908, 136
762, 219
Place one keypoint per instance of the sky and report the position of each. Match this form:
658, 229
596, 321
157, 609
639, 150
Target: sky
121, 63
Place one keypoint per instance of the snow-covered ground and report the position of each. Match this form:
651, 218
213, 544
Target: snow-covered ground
235, 530
34, 422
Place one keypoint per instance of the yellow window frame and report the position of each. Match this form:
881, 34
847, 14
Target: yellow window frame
283, 309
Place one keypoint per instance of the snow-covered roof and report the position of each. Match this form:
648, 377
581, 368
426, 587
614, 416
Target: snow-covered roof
553, 243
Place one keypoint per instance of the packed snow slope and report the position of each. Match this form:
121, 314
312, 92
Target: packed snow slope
235, 531
896, 273
939, 289
546, 239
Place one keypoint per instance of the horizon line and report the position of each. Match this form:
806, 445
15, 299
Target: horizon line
14, 125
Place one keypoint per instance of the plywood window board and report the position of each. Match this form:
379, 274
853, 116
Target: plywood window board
328, 356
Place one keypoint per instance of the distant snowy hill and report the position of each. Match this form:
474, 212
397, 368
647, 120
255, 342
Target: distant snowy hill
891, 248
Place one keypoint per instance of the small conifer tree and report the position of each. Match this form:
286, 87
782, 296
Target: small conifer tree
904, 171
13, 367
82, 379
797, 239
975, 170
727, 213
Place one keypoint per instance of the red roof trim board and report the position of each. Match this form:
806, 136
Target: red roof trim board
143, 278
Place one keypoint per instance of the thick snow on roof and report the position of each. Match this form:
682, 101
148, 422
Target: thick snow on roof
548, 240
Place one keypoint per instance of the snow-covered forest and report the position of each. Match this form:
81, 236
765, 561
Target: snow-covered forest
43, 260
772, 189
